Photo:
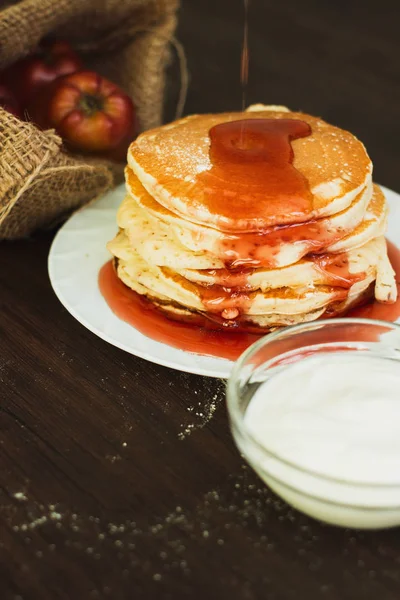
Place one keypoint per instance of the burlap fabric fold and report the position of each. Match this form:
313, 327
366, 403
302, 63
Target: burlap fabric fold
125, 40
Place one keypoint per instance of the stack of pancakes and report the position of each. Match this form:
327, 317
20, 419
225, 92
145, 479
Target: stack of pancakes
260, 266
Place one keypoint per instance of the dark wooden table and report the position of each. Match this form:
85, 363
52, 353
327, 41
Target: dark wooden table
119, 478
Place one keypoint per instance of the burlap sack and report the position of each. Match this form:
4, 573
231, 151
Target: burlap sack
125, 40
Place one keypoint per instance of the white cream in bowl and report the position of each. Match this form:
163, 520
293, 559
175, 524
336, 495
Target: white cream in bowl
324, 433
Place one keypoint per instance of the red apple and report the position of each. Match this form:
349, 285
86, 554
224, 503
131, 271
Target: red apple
52, 59
89, 112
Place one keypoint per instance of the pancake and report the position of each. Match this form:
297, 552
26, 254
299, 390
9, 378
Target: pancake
165, 283
274, 247
162, 240
173, 164
289, 303
324, 269
314, 270
253, 323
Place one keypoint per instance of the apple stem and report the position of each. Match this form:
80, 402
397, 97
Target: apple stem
90, 104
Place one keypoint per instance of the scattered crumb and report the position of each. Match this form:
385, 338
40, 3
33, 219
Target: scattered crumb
187, 431
20, 496
203, 411
113, 457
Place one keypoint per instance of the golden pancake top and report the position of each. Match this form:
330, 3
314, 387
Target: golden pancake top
173, 163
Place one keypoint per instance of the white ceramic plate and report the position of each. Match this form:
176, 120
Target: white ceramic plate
76, 256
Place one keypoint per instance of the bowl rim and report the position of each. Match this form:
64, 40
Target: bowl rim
237, 420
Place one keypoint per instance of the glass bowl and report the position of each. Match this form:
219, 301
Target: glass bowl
370, 502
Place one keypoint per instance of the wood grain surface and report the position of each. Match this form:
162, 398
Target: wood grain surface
118, 478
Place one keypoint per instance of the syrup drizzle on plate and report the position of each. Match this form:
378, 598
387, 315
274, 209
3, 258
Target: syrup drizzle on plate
142, 315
